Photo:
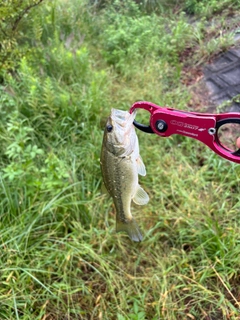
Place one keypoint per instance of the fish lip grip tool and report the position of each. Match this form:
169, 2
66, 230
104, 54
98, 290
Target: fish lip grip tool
204, 127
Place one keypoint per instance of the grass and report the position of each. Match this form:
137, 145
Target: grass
60, 256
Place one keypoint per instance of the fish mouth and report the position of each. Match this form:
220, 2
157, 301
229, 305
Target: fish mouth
123, 118
123, 137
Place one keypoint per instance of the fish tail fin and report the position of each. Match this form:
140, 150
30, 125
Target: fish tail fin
131, 228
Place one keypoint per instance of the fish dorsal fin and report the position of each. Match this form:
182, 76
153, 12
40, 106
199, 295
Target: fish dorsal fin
104, 189
140, 166
140, 197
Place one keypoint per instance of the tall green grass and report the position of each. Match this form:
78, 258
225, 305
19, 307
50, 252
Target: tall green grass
60, 256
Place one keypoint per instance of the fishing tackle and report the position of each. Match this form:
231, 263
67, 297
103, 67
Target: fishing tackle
214, 130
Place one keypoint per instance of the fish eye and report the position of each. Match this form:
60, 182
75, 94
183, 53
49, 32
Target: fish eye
109, 128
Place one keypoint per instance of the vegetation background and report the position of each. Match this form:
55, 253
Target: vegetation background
63, 66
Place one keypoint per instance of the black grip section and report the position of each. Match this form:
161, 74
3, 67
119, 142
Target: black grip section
143, 127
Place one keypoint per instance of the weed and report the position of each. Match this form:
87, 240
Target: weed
129, 36
208, 8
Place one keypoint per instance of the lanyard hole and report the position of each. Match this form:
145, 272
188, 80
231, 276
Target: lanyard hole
228, 136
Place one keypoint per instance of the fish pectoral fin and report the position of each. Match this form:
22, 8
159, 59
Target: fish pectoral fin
131, 228
140, 166
141, 197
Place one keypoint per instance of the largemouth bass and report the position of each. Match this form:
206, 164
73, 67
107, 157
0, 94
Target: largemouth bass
120, 165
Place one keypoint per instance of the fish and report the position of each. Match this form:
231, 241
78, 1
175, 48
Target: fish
121, 164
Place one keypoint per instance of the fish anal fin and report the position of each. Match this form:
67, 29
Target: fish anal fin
141, 197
